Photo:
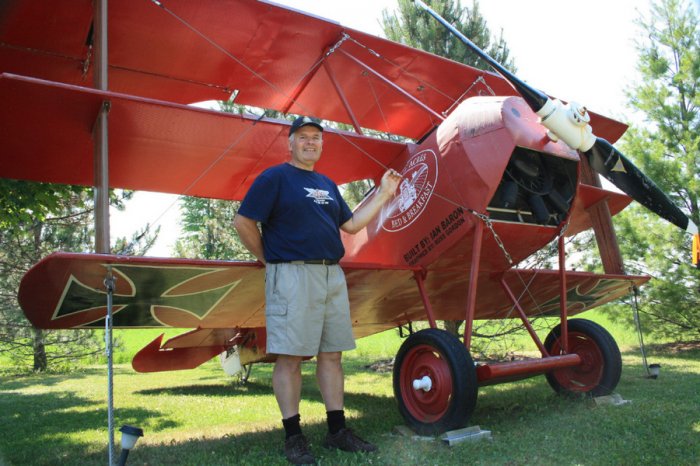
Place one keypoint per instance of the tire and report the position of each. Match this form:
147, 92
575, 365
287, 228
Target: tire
452, 398
601, 363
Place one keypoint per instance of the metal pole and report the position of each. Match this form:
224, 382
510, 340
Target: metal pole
109, 285
563, 312
101, 139
638, 326
101, 197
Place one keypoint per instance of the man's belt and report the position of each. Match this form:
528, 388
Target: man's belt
312, 261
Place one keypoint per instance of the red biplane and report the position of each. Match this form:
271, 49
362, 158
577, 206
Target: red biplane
487, 181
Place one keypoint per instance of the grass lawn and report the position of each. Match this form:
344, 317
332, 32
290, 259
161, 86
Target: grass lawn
203, 417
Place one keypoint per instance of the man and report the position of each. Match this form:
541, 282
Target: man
307, 310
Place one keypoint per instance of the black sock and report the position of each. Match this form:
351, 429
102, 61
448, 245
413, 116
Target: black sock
291, 426
336, 420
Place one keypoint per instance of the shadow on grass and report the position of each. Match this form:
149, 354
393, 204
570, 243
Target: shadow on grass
250, 388
554, 422
47, 419
41, 419
262, 448
20, 381
254, 389
682, 349
527, 407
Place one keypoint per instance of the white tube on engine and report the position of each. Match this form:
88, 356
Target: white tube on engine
569, 123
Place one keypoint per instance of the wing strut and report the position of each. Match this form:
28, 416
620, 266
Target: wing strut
343, 99
392, 85
308, 76
293, 96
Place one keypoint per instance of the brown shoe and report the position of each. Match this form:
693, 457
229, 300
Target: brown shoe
346, 440
296, 449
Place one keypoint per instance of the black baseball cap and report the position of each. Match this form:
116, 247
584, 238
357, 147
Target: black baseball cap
304, 121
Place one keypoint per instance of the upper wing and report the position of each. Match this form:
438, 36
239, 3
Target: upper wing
262, 54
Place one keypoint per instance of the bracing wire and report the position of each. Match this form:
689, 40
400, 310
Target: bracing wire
276, 89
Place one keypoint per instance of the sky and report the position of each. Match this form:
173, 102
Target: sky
574, 50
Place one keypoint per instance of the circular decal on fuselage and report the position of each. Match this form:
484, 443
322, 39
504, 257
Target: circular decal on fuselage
419, 176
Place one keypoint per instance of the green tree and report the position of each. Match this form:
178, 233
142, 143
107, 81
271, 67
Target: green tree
411, 26
207, 230
38, 219
666, 147
23, 202
42, 217
354, 192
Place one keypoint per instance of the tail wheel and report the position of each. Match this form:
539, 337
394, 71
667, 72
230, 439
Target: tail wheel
601, 363
435, 382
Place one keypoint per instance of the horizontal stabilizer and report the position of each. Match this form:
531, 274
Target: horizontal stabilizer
152, 358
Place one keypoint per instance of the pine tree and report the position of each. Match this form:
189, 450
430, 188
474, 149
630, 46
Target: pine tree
37, 219
666, 147
207, 230
411, 26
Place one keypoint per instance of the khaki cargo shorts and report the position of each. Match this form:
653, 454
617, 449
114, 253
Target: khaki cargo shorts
307, 309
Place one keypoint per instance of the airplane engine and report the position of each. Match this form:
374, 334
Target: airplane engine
519, 175
536, 188
512, 168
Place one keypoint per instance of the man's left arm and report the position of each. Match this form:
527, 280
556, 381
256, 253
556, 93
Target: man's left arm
362, 216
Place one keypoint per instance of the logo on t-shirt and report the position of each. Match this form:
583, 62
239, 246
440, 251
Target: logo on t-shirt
318, 195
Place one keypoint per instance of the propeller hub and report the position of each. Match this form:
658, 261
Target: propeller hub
578, 114
568, 123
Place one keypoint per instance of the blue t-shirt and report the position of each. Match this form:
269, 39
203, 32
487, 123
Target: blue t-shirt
300, 211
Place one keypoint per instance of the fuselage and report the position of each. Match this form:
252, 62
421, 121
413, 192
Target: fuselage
489, 157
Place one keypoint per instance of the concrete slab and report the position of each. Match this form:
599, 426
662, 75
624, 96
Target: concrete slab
405, 431
471, 434
452, 437
615, 400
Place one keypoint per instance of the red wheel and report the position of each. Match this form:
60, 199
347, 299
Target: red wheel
601, 363
423, 361
434, 382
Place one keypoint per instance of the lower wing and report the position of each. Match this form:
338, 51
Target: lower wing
224, 301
